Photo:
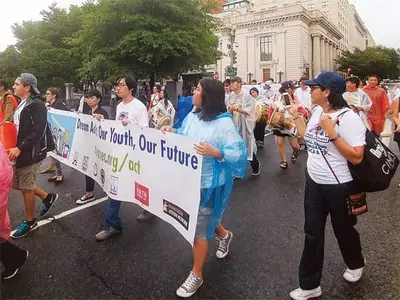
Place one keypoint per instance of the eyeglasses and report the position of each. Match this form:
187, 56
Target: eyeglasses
315, 87
121, 85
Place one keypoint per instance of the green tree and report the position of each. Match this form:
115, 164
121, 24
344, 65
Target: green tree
10, 65
147, 38
43, 49
381, 61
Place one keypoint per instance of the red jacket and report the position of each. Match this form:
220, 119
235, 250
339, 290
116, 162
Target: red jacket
380, 106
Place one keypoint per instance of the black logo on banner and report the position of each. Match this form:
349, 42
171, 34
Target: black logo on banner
177, 213
85, 163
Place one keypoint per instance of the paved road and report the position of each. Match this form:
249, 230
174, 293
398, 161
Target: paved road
149, 261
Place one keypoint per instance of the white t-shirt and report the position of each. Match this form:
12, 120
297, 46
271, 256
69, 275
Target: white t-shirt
135, 112
17, 113
351, 129
303, 97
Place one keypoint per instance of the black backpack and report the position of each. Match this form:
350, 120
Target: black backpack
377, 168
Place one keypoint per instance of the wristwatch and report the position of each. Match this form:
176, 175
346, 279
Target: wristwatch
335, 138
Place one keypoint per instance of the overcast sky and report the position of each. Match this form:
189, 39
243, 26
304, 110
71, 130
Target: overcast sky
380, 17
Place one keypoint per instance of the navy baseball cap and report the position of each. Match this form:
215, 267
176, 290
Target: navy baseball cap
287, 85
328, 80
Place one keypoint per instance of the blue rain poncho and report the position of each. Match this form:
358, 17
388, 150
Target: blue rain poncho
217, 176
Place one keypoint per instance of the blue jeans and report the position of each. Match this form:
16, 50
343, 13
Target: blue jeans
112, 214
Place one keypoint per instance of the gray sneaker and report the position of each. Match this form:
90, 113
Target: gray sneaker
106, 233
190, 286
223, 247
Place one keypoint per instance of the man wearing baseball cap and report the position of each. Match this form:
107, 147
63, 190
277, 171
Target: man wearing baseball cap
33, 142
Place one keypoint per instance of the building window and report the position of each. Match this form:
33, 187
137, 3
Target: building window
325, 4
266, 48
311, 6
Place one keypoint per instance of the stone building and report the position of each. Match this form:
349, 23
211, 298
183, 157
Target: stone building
286, 39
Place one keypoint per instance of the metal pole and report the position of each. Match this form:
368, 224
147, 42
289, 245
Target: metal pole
232, 41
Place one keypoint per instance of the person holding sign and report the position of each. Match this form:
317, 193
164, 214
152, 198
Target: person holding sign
225, 158
130, 110
94, 102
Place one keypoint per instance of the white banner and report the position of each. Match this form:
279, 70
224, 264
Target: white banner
161, 173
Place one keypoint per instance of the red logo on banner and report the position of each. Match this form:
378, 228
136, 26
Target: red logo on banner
142, 194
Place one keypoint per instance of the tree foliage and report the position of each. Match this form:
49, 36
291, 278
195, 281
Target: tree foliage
163, 37
381, 61
103, 39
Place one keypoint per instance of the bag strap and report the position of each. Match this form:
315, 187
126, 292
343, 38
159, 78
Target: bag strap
322, 153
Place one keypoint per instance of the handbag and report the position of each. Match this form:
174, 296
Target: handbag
356, 203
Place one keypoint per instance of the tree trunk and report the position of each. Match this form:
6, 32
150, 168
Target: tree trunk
152, 81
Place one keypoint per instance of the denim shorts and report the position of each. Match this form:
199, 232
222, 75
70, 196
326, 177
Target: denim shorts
205, 215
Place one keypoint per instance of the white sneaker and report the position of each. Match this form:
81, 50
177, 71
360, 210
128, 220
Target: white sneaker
190, 286
300, 294
353, 275
223, 245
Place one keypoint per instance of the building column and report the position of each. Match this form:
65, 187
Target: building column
331, 56
316, 55
322, 42
327, 67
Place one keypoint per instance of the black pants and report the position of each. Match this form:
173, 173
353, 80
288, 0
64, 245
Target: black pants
11, 256
259, 130
255, 164
89, 184
319, 201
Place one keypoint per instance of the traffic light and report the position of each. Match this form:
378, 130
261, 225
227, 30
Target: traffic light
234, 57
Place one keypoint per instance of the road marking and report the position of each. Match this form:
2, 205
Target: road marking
68, 212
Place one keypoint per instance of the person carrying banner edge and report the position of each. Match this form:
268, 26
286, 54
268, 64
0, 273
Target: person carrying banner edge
224, 159
130, 110
34, 140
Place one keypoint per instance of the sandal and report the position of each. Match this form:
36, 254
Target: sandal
52, 179
283, 164
58, 181
294, 156
45, 171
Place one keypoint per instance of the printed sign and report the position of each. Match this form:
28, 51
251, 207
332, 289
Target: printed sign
134, 164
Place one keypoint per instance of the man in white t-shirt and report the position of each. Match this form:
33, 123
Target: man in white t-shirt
302, 95
130, 110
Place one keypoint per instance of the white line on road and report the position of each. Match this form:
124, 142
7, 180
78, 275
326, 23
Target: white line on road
68, 212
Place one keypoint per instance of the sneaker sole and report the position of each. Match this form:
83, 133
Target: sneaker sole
12, 275
80, 202
32, 229
227, 249
47, 212
311, 296
108, 237
16, 271
187, 295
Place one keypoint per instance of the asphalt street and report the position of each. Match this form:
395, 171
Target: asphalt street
150, 261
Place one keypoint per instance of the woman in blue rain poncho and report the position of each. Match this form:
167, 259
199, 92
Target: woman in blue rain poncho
225, 158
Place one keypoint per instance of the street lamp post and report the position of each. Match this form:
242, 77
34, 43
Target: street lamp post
249, 74
280, 75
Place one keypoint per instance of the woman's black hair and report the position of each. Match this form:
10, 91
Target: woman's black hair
336, 100
165, 98
54, 91
354, 80
130, 82
283, 90
255, 90
94, 93
212, 99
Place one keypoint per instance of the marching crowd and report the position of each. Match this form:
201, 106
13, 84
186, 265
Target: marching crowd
331, 117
